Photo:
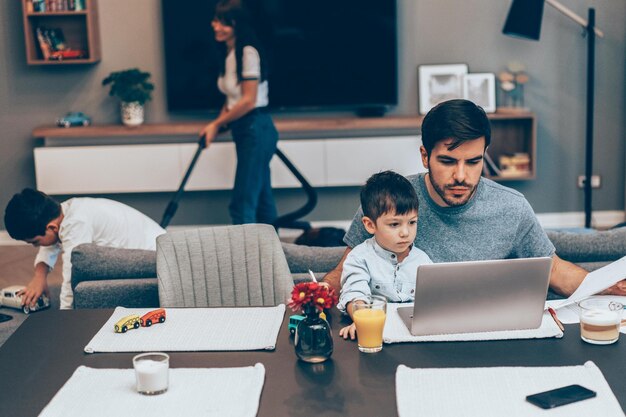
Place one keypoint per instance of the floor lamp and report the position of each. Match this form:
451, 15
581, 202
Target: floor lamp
524, 21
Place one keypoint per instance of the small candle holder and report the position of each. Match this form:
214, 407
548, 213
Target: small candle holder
152, 372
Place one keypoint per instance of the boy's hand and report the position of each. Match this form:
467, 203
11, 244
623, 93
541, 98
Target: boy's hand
348, 331
33, 291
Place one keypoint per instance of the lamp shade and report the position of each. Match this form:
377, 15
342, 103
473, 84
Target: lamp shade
524, 19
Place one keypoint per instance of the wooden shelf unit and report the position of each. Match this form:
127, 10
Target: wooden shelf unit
511, 133
80, 29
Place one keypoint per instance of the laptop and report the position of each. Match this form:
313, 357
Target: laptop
478, 296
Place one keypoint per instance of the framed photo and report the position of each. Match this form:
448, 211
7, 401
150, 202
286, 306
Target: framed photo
481, 89
439, 83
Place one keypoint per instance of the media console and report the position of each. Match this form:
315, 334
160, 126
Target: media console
329, 152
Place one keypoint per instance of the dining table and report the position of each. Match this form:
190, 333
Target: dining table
44, 352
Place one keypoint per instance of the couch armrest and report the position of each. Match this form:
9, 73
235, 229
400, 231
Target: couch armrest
604, 246
91, 262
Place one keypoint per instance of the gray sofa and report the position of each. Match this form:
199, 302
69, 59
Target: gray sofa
105, 277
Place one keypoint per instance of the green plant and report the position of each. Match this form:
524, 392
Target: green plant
130, 85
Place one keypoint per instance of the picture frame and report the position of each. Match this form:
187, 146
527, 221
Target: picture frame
439, 83
480, 88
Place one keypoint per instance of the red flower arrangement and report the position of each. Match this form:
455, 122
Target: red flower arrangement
308, 295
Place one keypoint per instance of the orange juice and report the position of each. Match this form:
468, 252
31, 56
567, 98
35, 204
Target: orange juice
369, 328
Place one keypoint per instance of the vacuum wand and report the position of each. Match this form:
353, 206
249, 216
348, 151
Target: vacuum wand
170, 211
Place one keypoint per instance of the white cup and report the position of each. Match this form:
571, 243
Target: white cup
152, 372
600, 320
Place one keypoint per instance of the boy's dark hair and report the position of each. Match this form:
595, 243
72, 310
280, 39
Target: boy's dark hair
458, 119
387, 192
28, 213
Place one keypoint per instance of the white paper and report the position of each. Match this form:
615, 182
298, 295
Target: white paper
570, 314
598, 280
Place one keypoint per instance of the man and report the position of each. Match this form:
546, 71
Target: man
36, 218
462, 216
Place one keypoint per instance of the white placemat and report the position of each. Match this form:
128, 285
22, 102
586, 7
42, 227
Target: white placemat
194, 329
396, 331
192, 392
497, 392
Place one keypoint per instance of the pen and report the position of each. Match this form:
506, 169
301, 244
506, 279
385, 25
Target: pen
556, 319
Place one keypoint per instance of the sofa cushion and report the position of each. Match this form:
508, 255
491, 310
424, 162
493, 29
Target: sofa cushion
318, 259
92, 262
590, 249
130, 293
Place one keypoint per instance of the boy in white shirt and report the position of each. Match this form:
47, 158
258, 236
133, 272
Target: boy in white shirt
386, 263
35, 218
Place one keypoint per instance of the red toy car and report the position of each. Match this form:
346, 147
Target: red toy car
154, 316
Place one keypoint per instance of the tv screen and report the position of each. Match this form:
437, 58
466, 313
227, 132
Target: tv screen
322, 54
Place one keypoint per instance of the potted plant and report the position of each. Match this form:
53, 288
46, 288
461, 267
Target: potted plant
133, 88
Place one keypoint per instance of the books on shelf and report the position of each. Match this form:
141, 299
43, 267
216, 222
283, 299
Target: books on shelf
53, 46
39, 6
489, 167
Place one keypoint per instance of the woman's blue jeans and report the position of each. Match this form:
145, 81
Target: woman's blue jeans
255, 141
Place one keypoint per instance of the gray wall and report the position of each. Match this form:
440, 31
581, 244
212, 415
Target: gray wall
430, 32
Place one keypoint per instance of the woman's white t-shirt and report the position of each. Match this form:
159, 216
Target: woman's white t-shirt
230, 86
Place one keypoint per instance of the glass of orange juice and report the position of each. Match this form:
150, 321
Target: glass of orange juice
369, 318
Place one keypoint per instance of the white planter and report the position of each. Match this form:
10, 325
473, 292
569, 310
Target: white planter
132, 113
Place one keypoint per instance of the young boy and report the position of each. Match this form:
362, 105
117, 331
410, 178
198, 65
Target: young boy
35, 218
385, 264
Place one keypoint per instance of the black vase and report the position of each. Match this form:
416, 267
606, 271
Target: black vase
313, 339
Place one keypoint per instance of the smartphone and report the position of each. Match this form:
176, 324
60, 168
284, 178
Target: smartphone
5, 317
560, 396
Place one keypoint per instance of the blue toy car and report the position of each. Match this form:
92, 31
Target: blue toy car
293, 323
74, 118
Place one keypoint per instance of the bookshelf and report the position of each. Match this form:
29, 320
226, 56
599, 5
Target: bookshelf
69, 26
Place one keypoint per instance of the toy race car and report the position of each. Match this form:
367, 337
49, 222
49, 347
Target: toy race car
154, 316
9, 298
74, 118
127, 323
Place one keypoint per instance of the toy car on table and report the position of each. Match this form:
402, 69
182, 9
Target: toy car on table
127, 323
9, 298
154, 316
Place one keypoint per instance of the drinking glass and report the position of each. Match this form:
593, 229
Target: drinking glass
369, 318
152, 372
600, 320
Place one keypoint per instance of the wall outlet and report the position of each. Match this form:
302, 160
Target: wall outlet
595, 181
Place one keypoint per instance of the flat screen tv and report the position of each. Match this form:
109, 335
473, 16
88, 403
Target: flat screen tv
322, 54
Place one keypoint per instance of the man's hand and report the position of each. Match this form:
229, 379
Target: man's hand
33, 291
348, 331
617, 289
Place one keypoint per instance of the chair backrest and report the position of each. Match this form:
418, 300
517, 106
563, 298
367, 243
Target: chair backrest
222, 266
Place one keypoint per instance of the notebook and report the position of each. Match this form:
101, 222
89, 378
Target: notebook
478, 296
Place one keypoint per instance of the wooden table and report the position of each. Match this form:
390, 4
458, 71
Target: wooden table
44, 352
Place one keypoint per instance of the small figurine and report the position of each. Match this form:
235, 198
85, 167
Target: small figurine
154, 316
127, 323
9, 298
512, 82
74, 118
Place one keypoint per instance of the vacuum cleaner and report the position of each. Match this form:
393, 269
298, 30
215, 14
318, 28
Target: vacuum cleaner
287, 221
